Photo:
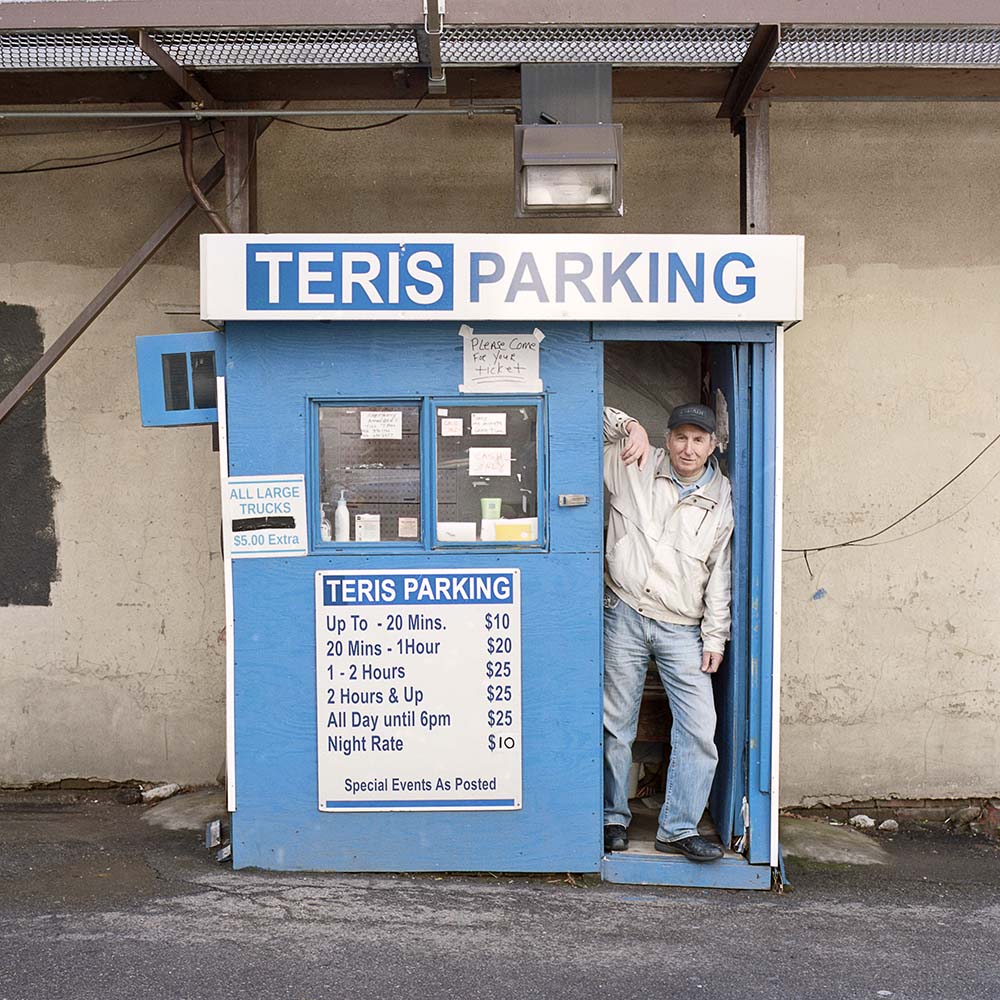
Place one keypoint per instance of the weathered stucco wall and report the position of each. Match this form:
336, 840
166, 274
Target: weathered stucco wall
892, 652
890, 685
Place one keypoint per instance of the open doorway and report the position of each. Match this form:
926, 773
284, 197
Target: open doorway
646, 379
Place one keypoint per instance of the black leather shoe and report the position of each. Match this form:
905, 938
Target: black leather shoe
615, 838
696, 848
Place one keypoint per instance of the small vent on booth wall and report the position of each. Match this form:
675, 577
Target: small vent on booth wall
177, 377
203, 379
175, 382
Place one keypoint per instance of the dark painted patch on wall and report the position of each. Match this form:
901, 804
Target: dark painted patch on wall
28, 547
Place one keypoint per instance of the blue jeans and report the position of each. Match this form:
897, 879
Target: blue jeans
629, 640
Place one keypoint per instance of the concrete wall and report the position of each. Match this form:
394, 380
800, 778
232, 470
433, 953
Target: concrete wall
890, 683
892, 674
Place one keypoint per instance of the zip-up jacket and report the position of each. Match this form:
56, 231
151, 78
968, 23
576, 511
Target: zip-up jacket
668, 558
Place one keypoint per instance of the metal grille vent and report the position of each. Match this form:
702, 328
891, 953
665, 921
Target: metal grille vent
620, 44
212, 49
492, 45
292, 47
70, 50
888, 46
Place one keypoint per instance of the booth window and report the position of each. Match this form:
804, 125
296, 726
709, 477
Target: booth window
487, 473
433, 473
372, 454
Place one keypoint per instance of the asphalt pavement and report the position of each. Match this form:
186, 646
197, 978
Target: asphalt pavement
97, 903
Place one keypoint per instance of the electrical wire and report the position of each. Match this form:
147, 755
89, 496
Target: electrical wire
33, 167
899, 520
187, 157
79, 131
110, 158
352, 128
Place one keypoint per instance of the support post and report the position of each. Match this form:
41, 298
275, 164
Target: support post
755, 169
240, 144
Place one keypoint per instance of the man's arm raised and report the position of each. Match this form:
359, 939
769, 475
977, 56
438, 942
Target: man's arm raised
619, 426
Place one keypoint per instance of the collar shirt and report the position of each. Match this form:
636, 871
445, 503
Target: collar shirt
686, 489
667, 553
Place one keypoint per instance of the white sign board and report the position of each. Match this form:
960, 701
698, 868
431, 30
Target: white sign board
490, 276
264, 516
489, 461
489, 423
381, 425
418, 689
499, 362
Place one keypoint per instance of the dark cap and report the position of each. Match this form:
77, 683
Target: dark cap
692, 413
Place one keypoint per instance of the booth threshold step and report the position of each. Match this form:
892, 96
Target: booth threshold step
642, 864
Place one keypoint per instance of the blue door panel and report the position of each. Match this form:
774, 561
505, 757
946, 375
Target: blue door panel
762, 499
730, 376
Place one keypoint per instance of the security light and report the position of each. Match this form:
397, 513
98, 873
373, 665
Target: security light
567, 170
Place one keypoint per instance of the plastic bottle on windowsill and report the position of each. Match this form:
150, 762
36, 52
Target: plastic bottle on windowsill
325, 531
342, 520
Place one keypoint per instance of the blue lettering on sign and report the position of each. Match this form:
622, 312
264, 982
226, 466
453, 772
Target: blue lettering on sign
419, 588
345, 277
746, 283
575, 276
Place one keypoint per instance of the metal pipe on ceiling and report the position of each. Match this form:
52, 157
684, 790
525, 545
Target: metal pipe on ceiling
468, 112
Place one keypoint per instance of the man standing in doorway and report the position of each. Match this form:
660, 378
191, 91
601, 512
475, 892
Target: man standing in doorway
667, 595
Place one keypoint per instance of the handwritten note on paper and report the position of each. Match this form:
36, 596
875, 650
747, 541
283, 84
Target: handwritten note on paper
489, 423
381, 424
456, 531
489, 461
500, 362
451, 427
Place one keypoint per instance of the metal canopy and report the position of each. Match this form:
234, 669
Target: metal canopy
854, 47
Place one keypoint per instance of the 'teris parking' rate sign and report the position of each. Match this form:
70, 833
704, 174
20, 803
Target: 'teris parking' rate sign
418, 689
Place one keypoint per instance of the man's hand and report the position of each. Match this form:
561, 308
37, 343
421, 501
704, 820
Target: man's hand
710, 662
636, 448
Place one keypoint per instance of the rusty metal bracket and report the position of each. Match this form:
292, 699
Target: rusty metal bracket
188, 82
433, 26
747, 76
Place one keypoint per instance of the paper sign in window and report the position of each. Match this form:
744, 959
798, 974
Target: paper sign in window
407, 527
451, 427
456, 531
489, 461
500, 362
489, 423
381, 425
368, 528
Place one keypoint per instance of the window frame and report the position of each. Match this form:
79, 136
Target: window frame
427, 543
539, 402
333, 547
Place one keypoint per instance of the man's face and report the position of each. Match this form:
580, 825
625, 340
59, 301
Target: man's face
689, 448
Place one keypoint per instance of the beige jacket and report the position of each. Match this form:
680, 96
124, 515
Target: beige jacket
669, 561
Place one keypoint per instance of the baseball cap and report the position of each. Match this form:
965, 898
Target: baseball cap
692, 413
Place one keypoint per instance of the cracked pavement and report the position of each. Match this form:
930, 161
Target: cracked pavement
96, 903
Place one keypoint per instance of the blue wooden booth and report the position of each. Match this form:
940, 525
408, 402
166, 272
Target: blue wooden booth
424, 693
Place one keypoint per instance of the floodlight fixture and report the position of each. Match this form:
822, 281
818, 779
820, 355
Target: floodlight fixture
568, 170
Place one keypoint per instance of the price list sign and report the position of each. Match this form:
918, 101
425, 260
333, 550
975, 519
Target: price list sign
418, 689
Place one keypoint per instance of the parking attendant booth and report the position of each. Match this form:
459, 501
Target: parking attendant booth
411, 442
